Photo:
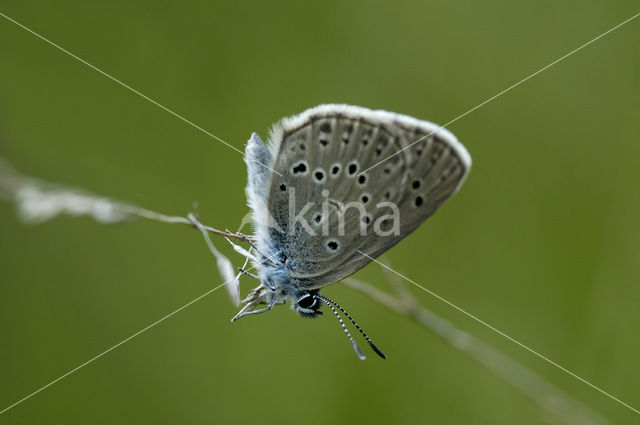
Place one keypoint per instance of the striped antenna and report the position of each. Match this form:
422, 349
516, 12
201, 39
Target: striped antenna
329, 301
344, 328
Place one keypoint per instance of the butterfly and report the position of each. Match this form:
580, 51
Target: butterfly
335, 187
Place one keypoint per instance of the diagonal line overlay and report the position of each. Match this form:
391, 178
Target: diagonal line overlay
507, 89
114, 79
449, 303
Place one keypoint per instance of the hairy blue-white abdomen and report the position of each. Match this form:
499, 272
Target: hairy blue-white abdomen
259, 162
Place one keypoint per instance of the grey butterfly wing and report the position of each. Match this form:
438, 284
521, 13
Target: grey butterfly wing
329, 207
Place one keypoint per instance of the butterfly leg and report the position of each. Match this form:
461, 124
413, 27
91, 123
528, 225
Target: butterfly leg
251, 242
246, 310
244, 237
243, 271
240, 250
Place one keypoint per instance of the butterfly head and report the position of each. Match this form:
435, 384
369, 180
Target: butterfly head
307, 304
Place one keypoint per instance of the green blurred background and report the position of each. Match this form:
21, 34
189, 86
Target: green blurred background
542, 241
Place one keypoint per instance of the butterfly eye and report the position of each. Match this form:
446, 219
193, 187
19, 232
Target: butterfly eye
306, 301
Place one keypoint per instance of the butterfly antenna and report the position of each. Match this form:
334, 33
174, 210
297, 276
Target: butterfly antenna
344, 328
329, 301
